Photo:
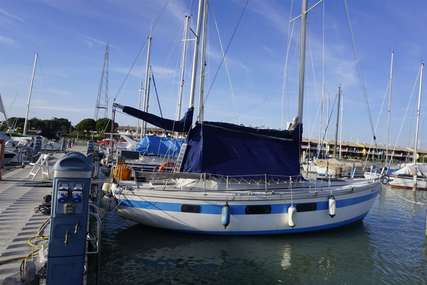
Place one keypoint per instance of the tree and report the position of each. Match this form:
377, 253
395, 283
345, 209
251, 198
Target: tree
55, 127
104, 125
16, 123
86, 125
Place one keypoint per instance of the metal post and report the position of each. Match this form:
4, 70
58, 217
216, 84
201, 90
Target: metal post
146, 84
196, 54
113, 118
30, 91
203, 61
341, 124
302, 60
182, 72
338, 121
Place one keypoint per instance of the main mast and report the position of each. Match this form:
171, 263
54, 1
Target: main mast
196, 53
203, 62
303, 36
30, 92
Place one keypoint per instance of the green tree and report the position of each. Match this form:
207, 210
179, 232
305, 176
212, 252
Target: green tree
55, 128
104, 125
86, 125
16, 123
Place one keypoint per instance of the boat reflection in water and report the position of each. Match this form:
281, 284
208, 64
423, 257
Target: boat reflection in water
386, 248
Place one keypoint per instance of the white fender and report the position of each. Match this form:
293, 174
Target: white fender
225, 215
115, 189
106, 187
332, 206
291, 213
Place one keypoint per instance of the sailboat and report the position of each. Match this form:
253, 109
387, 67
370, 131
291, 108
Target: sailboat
413, 175
237, 180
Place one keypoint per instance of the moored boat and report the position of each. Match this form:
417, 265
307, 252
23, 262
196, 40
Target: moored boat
234, 179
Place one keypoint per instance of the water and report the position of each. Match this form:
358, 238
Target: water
389, 247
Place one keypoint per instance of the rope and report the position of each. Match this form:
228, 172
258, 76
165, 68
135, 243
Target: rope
227, 48
356, 59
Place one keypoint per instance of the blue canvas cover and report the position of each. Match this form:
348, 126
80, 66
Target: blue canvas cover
228, 149
182, 125
160, 146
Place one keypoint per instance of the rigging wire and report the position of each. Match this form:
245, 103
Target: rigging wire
290, 33
132, 66
362, 81
141, 49
404, 116
227, 71
329, 118
322, 94
227, 48
157, 94
316, 83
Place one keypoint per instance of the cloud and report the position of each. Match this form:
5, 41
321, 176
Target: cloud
93, 42
10, 16
177, 10
7, 41
163, 71
61, 108
273, 13
139, 72
216, 55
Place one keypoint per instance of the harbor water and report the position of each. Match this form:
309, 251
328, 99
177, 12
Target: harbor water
388, 247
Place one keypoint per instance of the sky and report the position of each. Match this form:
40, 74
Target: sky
254, 85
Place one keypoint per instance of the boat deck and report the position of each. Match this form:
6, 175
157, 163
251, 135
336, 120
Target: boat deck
18, 220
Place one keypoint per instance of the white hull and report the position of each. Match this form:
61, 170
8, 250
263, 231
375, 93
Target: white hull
408, 182
160, 208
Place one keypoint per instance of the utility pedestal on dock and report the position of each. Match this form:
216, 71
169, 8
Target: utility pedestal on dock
67, 241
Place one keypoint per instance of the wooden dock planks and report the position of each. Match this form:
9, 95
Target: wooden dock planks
18, 220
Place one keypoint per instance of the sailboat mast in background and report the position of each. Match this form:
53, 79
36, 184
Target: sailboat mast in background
182, 69
389, 89
30, 92
146, 85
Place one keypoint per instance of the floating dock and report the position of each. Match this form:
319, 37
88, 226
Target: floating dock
19, 221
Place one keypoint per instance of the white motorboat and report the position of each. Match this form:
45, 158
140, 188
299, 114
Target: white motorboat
410, 176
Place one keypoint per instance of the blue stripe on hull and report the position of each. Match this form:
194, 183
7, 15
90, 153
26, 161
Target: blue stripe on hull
282, 231
237, 209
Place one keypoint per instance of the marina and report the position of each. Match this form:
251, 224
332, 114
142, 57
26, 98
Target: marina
319, 178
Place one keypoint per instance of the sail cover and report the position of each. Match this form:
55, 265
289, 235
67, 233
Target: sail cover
159, 146
182, 125
228, 149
